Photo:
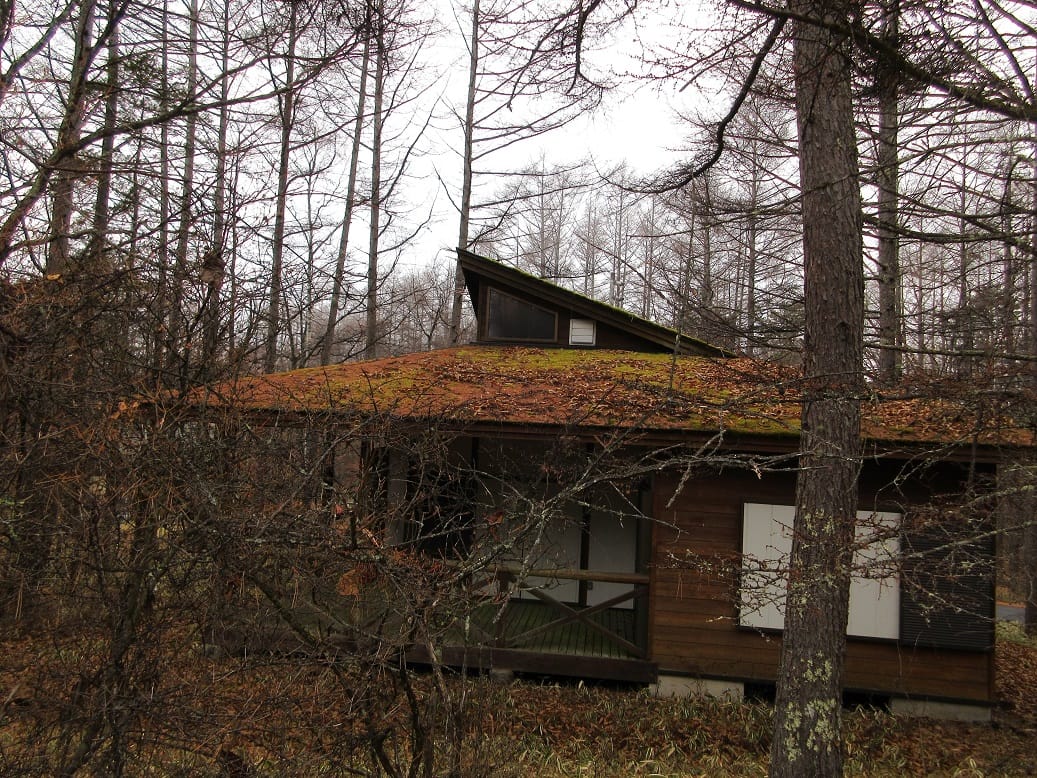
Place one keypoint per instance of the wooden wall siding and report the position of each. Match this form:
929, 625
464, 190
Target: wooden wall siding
693, 618
606, 336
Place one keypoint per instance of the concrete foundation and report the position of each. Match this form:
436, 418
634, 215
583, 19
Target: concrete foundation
681, 686
502, 675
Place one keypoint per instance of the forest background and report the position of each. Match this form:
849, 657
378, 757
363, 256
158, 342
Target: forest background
228, 153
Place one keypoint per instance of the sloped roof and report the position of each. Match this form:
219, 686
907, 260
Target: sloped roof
585, 390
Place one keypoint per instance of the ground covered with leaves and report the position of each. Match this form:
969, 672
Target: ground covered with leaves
577, 731
574, 731
220, 716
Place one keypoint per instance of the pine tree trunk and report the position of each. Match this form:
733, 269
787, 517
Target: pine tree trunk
99, 228
273, 310
68, 167
751, 238
1030, 530
178, 353
371, 337
466, 179
214, 263
162, 259
890, 294
807, 709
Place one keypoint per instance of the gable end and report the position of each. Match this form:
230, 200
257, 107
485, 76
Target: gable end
515, 307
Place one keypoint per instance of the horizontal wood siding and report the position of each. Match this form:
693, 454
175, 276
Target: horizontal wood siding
693, 627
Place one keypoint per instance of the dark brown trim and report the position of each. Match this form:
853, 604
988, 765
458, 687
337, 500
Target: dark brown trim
733, 442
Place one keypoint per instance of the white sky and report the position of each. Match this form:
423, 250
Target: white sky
641, 131
634, 126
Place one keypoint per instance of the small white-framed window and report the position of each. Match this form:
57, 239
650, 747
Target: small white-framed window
874, 587
581, 332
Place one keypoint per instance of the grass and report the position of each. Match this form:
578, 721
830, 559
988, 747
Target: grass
1013, 632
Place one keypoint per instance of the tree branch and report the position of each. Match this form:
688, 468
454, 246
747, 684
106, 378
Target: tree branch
684, 175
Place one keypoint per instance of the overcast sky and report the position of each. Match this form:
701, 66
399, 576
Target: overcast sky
635, 126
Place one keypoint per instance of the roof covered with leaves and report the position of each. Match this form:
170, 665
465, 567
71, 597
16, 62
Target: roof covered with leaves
594, 389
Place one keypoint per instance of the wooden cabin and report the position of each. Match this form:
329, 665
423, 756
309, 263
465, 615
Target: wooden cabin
664, 564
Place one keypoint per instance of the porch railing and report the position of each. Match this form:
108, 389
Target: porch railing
549, 622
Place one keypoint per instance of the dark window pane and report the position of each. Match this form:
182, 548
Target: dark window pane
509, 318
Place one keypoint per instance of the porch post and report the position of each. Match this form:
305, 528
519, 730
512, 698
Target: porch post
396, 531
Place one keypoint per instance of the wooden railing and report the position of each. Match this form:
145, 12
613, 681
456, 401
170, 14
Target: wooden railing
506, 630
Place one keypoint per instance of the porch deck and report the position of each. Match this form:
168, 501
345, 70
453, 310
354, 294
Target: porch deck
534, 633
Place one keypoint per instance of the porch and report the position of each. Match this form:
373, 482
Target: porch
538, 633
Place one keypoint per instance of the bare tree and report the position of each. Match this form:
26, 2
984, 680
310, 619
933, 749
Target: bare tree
516, 91
809, 697
380, 53
66, 161
176, 363
105, 173
887, 170
338, 279
286, 108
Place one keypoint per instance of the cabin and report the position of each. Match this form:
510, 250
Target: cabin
627, 495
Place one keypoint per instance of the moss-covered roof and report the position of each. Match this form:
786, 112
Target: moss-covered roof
591, 389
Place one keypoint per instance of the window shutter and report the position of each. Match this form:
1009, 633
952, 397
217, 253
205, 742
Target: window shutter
947, 589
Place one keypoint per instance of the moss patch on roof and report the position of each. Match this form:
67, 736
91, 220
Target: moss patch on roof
587, 388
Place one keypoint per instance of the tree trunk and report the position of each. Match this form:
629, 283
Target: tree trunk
964, 338
466, 178
371, 335
1030, 530
618, 254
162, 260
62, 205
99, 229
704, 209
354, 158
890, 294
591, 240
752, 250
750, 280
807, 709
273, 311
215, 262
177, 354
648, 287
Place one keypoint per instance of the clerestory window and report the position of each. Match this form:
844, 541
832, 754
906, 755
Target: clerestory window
509, 318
